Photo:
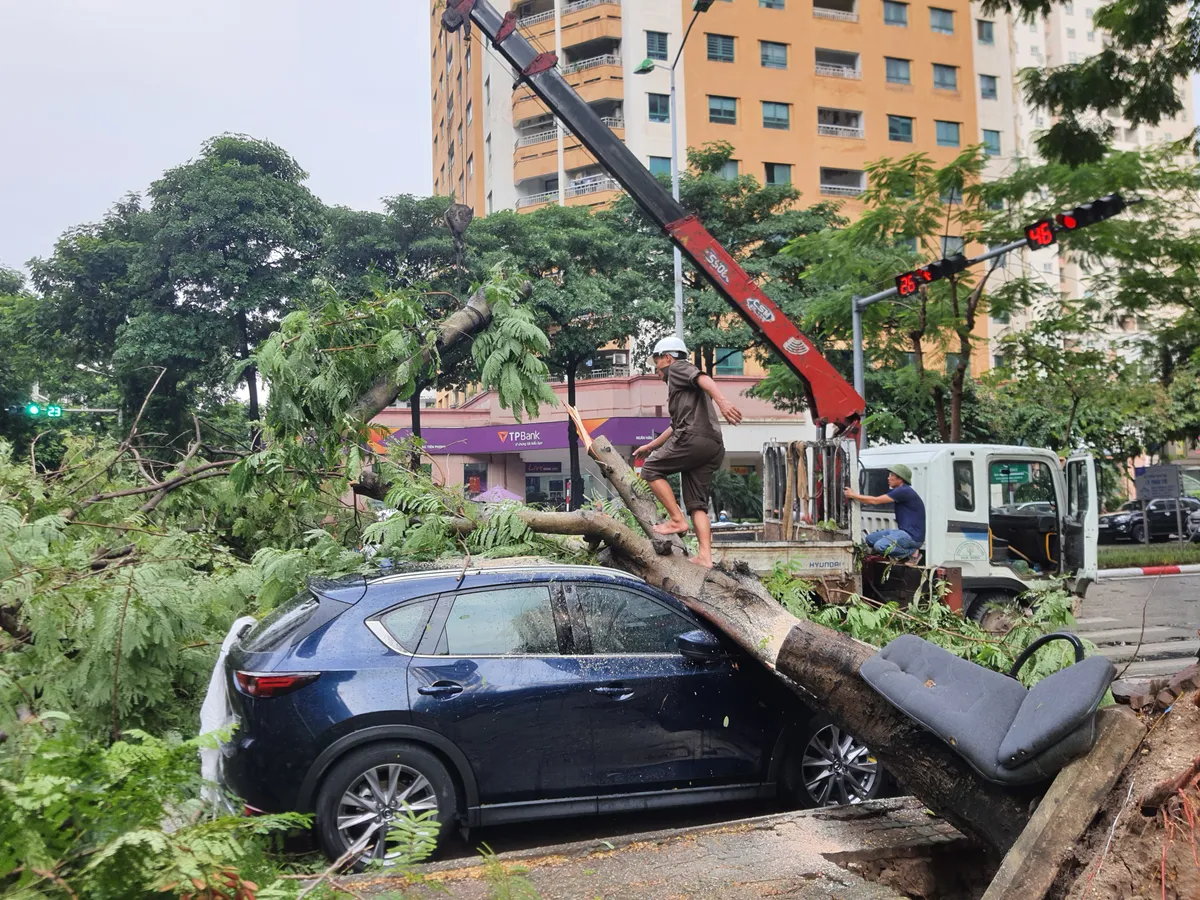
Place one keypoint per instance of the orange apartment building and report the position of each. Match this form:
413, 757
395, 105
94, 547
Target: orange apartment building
807, 91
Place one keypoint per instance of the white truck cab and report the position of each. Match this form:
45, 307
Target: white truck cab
1009, 517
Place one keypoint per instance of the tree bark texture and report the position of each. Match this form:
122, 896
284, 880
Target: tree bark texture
575, 497
475, 316
819, 664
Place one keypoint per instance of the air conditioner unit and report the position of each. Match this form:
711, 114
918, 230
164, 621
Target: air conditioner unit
620, 359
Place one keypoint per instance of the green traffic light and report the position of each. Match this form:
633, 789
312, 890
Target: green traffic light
33, 409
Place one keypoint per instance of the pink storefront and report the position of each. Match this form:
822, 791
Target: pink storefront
482, 446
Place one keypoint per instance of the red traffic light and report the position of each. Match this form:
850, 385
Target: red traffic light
1040, 233
1066, 221
908, 283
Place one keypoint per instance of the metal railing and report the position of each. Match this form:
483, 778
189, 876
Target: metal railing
842, 190
536, 18
584, 4
840, 15
840, 131
608, 59
535, 199
838, 71
592, 186
541, 137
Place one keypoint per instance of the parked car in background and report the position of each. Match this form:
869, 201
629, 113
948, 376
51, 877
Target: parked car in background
1127, 523
1193, 526
511, 693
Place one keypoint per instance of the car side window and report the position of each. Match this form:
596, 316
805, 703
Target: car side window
510, 621
405, 624
964, 485
622, 621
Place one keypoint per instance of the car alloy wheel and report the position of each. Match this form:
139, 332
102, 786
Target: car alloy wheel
1139, 534
377, 796
837, 769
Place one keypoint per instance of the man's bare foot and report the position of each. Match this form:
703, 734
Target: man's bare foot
670, 527
701, 561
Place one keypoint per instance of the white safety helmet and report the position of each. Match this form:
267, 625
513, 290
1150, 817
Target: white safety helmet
670, 344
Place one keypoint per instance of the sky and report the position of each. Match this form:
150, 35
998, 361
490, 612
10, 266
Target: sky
99, 97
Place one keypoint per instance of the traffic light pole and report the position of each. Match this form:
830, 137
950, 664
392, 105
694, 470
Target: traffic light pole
858, 306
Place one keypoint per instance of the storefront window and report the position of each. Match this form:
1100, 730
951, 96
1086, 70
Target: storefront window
475, 478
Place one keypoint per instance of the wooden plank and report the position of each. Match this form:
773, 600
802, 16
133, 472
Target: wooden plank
1074, 798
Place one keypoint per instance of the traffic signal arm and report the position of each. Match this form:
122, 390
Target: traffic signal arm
831, 398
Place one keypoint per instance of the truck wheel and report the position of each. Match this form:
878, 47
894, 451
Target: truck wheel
986, 600
367, 788
827, 766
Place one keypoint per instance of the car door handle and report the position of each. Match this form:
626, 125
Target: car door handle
440, 689
618, 691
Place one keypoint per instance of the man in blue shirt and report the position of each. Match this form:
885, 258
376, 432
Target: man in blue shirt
905, 540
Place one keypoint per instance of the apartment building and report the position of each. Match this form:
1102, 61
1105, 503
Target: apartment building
808, 91
1009, 126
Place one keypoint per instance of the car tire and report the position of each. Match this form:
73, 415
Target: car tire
1138, 535
985, 600
355, 785
826, 766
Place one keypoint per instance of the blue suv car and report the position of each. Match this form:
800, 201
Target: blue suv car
504, 694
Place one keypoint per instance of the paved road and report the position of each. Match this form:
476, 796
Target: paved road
1112, 618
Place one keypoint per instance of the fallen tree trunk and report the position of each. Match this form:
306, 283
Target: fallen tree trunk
819, 664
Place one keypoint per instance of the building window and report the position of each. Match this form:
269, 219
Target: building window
729, 171
487, 156
467, 59
489, 202
471, 166
1069, 8
728, 361
660, 107
985, 31
462, 193
656, 44
899, 71
470, 113
722, 110
1091, 36
900, 128
449, 56
988, 87
941, 20
660, 165
774, 56
475, 478
1073, 57
779, 173
776, 115
771, 4
991, 142
952, 364
895, 13
720, 47
952, 244
945, 78
947, 134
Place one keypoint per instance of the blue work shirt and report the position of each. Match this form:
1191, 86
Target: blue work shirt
910, 511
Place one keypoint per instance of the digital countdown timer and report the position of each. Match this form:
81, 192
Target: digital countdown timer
1040, 234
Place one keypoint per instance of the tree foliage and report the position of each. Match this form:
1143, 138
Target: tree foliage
1149, 54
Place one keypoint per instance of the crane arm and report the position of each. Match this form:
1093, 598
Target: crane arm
831, 398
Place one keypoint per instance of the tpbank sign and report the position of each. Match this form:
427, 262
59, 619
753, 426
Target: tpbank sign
520, 440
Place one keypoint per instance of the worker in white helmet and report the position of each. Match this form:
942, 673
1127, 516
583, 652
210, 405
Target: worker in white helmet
691, 445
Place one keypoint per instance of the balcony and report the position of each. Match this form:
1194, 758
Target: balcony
840, 123
838, 64
601, 81
838, 10
842, 182
541, 137
536, 199
607, 59
587, 21
595, 184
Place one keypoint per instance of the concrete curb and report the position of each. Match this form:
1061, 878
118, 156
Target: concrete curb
1135, 571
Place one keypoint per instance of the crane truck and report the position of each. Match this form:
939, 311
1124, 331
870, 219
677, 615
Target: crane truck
1002, 519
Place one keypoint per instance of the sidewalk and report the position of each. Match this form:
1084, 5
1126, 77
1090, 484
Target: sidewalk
809, 855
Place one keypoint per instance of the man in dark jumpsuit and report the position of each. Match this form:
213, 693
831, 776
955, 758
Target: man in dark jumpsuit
691, 446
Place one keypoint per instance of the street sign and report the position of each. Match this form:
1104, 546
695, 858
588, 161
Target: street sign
1158, 483
1010, 473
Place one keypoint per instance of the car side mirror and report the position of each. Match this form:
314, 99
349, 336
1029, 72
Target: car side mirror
699, 646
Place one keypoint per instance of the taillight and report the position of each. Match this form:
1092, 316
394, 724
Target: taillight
254, 684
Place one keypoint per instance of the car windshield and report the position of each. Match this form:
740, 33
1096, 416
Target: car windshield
1131, 506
